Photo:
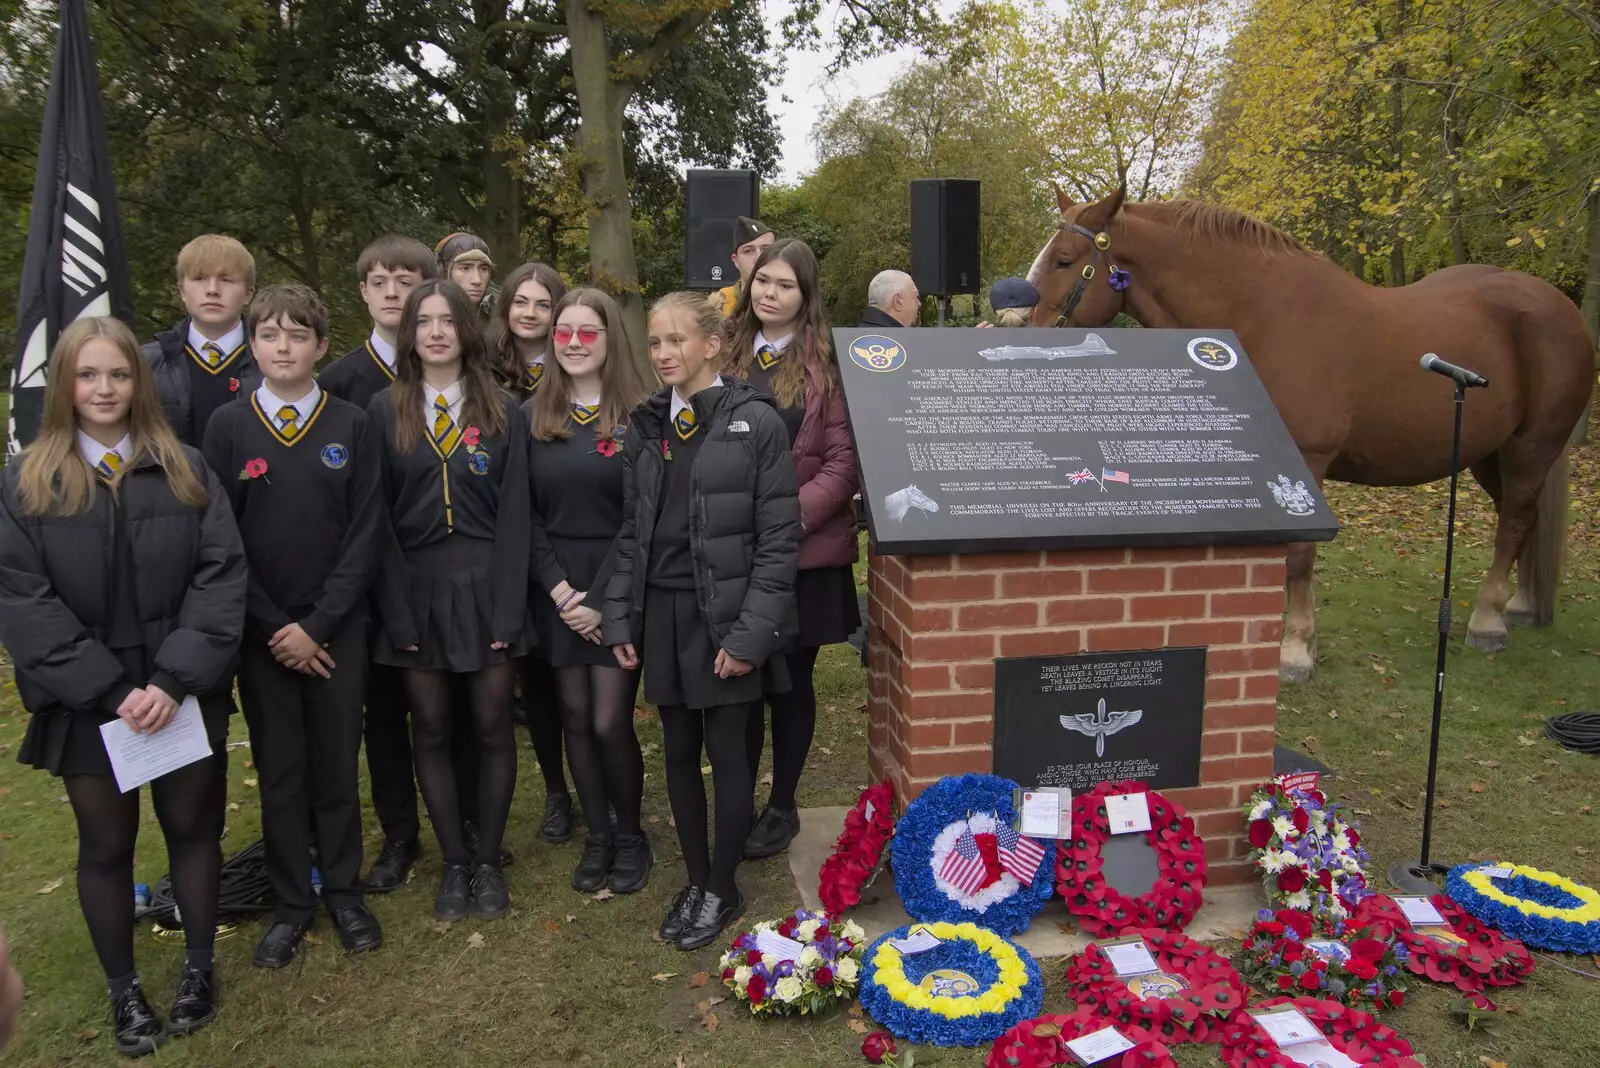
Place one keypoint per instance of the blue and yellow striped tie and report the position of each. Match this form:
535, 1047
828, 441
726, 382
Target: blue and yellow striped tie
213, 353
289, 416
445, 433
534, 373
767, 356
584, 414
109, 465
684, 423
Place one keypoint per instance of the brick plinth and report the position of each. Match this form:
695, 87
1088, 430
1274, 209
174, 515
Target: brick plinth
937, 623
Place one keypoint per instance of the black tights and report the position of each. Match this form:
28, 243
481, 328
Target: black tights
189, 806
489, 692
721, 730
544, 721
607, 766
794, 721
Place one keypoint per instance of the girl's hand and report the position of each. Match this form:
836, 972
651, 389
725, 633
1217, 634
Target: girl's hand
159, 710
581, 619
131, 704
730, 668
497, 646
627, 657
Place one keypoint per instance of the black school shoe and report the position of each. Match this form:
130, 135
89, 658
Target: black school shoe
455, 884
679, 913
136, 1027
358, 928
470, 836
389, 871
195, 1004
277, 945
709, 919
631, 868
595, 865
490, 898
557, 824
772, 833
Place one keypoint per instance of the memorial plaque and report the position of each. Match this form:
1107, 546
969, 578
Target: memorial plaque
980, 440
1089, 718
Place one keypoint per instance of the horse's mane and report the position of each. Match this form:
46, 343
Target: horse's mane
1226, 224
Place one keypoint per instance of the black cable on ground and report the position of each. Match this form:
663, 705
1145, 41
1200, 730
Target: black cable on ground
1578, 731
245, 891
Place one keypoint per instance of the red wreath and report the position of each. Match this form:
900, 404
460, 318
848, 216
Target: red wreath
1485, 958
1350, 1031
1043, 1041
1213, 989
858, 851
1180, 861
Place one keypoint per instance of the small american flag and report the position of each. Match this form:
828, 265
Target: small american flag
963, 868
1108, 475
1019, 854
1078, 478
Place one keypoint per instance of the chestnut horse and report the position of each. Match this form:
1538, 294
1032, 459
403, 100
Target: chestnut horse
1340, 360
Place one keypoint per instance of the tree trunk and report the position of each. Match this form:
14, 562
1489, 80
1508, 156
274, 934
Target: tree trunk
601, 102
502, 187
1591, 302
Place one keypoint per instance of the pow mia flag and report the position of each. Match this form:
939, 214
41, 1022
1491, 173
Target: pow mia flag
75, 265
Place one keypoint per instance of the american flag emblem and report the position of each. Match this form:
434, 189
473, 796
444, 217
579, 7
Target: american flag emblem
1108, 475
1078, 478
1019, 854
963, 867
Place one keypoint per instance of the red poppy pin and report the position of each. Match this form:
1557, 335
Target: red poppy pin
666, 450
469, 437
233, 385
256, 468
607, 447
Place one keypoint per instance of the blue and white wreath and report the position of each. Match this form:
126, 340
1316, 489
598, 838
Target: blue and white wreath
970, 988
963, 813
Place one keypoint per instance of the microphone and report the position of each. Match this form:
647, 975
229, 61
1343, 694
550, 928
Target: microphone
1461, 375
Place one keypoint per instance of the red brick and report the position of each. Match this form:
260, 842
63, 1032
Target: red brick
1219, 743
1201, 798
921, 588
949, 705
1218, 717
1257, 741
1213, 824
1178, 554
1264, 630
1234, 873
1218, 849
926, 647
1223, 689
1127, 579
1126, 638
977, 732
918, 620
1208, 577
1257, 766
1264, 603
1268, 574
1041, 584
948, 762
1261, 686
996, 616
1085, 557
923, 564
932, 735
1211, 632
1087, 610
1247, 552
1167, 606
1040, 643
979, 676
1012, 561
926, 678
1233, 661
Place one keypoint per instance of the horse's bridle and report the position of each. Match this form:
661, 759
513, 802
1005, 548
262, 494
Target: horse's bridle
1102, 244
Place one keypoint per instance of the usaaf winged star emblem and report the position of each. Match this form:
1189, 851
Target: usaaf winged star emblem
1100, 723
879, 356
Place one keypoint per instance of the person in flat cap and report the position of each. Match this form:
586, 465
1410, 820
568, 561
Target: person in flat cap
464, 259
750, 236
1013, 300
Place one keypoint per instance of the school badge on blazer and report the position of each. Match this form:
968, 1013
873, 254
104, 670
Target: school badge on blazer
335, 456
478, 463
874, 352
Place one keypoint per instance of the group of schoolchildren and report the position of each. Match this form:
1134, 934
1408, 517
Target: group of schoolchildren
484, 497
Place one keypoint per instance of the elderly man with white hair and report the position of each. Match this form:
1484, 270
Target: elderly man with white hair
892, 300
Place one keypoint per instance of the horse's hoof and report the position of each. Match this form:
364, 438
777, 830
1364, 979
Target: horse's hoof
1294, 673
1492, 641
1523, 619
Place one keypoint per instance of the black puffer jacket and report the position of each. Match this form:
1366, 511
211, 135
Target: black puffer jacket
744, 521
169, 366
56, 594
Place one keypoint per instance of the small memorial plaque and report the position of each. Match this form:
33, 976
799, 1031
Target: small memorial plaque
1088, 718
981, 440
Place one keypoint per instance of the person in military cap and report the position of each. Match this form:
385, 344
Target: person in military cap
750, 236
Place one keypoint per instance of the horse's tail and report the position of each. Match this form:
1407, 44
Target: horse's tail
1539, 567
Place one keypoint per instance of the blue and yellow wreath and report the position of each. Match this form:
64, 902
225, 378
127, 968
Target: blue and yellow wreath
1539, 908
923, 838
969, 990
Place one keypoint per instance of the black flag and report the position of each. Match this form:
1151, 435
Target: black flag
75, 264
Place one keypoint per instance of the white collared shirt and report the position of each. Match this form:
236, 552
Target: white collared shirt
227, 342
537, 361
782, 344
93, 452
452, 396
384, 350
679, 404
270, 403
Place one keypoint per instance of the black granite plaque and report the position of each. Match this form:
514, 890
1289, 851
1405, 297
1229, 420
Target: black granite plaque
975, 440
1089, 718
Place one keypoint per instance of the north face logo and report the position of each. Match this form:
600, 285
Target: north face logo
738, 426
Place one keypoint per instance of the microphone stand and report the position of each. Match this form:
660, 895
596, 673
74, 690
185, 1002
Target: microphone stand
1413, 876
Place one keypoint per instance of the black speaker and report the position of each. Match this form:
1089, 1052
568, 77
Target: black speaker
712, 204
944, 235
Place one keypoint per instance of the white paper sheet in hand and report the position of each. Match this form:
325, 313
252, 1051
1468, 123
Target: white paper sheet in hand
138, 758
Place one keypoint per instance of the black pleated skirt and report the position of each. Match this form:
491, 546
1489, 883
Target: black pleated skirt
680, 661
559, 644
826, 603
452, 598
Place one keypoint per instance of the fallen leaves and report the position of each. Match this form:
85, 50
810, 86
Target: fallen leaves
50, 887
475, 940
603, 894
699, 980
1478, 787
662, 977
858, 1027
709, 1022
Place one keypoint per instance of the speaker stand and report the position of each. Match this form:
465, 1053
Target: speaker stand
943, 304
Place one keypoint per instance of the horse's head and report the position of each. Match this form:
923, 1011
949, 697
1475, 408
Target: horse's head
1076, 273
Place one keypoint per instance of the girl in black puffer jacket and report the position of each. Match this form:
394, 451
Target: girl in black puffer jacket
704, 588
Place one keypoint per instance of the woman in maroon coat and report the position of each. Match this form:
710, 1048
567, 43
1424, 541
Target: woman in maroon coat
782, 344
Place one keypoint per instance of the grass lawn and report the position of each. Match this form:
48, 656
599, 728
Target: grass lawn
567, 980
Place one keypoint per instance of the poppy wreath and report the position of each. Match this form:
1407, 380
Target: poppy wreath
1180, 862
1540, 908
860, 846
1309, 855
1043, 1041
967, 991
1472, 957
931, 828
1359, 1036
1364, 972
1187, 1000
